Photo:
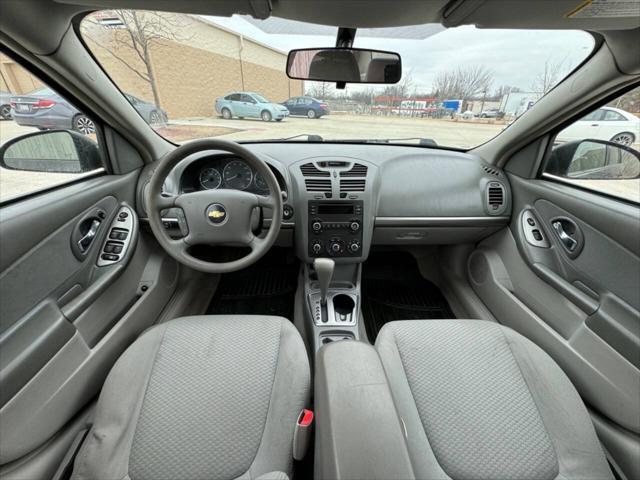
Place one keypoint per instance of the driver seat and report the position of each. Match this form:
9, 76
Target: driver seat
201, 397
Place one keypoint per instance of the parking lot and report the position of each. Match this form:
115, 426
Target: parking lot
337, 126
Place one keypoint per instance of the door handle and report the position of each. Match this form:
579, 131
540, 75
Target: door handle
85, 242
567, 240
595, 124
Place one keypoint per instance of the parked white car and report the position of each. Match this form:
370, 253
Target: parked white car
606, 123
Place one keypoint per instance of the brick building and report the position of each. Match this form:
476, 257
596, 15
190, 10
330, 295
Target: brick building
14, 78
200, 62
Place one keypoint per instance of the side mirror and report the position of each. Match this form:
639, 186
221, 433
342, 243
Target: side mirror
594, 160
55, 151
344, 65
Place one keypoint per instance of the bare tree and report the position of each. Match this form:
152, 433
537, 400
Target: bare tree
463, 82
549, 76
503, 90
319, 90
142, 30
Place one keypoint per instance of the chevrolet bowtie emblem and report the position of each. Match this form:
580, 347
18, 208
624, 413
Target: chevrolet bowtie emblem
216, 213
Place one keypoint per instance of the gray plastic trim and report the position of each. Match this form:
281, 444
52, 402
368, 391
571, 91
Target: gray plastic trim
440, 221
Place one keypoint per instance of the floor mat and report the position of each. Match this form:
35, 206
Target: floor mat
267, 287
394, 289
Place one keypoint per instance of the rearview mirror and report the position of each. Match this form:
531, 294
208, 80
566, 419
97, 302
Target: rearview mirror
345, 65
594, 160
55, 151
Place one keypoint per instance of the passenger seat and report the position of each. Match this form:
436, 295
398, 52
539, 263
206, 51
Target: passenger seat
480, 401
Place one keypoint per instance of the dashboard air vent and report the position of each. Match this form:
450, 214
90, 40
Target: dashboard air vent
352, 184
357, 170
491, 170
310, 170
318, 185
495, 196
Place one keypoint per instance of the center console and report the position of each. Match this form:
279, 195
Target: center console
336, 199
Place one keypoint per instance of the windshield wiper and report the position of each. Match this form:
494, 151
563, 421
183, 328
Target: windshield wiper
311, 137
421, 141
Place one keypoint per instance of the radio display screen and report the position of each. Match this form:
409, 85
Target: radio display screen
335, 209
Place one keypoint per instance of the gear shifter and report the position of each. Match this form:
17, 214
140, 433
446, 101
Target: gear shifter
324, 269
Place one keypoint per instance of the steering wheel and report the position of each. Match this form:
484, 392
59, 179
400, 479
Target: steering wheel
214, 217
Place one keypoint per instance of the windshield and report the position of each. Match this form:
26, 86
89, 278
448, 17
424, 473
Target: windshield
195, 77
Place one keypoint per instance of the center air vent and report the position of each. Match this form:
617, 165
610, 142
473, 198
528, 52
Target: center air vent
495, 197
352, 184
357, 170
310, 170
318, 185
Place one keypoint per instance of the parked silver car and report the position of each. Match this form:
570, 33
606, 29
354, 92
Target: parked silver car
5, 105
45, 109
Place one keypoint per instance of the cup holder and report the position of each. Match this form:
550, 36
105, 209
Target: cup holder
343, 304
335, 337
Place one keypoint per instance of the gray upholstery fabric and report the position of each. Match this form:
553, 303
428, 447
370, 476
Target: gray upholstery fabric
210, 397
480, 401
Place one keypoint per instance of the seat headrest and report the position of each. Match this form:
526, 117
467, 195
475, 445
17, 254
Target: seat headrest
337, 65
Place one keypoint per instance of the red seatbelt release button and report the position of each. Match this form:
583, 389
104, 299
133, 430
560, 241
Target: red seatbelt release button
302, 434
306, 418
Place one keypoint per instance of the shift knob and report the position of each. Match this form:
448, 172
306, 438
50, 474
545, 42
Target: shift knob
324, 269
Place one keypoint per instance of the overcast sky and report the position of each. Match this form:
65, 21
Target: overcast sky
515, 56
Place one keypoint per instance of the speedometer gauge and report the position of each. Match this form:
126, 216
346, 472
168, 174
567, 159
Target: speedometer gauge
210, 178
237, 175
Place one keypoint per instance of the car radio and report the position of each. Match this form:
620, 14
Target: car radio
335, 228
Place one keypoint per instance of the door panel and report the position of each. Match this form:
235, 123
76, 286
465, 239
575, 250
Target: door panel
64, 319
582, 306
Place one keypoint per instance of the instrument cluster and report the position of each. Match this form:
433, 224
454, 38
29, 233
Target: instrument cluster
229, 172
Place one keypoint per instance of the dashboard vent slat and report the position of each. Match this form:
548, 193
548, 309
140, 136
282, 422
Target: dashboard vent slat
310, 170
495, 196
492, 171
352, 185
318, 185
357, 170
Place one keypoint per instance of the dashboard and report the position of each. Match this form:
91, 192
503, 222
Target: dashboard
224, 172
341, 199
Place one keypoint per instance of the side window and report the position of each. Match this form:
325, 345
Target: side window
33, 156
248, 98
593, 116
234, 97
604, 156
612, 116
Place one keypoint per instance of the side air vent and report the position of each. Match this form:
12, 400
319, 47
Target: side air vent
310, 170
352, 184
357, 170
318, 185
492, 171
495, 197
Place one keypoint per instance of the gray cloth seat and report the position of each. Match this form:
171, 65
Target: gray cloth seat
208, 397
480, 401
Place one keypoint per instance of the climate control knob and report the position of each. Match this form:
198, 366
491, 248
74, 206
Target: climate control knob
316, 247
336, 247
354, 246
354, 226
316, 226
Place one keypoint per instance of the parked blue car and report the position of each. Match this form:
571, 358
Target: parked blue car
307, 106
45, 109
249, 105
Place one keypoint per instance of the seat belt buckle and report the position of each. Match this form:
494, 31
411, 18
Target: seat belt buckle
302, 434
